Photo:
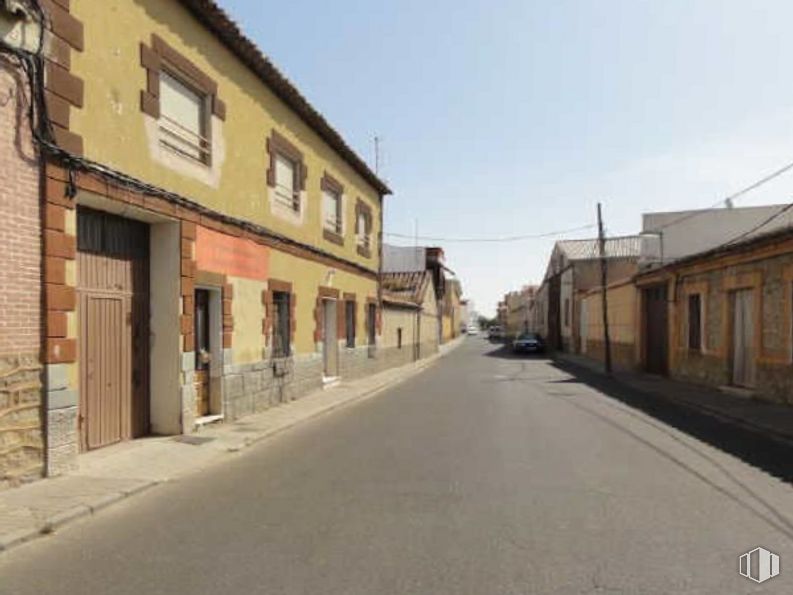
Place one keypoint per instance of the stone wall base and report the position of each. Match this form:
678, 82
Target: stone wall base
22, 449
254, 388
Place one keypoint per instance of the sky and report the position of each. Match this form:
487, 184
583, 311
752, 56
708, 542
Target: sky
516, 117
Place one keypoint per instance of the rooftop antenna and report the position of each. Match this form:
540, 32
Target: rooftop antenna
377, 140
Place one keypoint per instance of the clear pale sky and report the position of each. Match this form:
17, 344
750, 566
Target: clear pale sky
510, 117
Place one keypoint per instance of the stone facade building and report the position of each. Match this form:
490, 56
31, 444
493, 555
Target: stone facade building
723, 317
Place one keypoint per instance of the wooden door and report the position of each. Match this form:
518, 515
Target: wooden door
113, 314
330, 341
743, 331
106, 387
555, 313
656, 325
203, 351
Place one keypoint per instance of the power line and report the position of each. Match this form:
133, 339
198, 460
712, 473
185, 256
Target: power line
731, 197
757, 227
743, 235
493, 240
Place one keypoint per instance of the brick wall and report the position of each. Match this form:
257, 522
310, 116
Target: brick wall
21, 439
20, 227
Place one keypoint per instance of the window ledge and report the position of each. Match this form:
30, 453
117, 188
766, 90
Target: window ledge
333, 237
365, 252
203, 163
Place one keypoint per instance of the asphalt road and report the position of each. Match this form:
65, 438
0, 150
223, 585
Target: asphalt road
486, 475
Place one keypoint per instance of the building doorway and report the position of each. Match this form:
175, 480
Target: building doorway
113, 315
743, 332
203, 353
330, 346
371, 328
656, 330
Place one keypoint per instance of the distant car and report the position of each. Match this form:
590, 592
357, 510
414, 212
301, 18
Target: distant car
472, 330
495, 333
528, 343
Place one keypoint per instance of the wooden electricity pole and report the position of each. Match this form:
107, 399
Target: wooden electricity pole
604, 283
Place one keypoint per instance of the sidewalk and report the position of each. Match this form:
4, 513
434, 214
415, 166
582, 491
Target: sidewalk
113, 474
770, 419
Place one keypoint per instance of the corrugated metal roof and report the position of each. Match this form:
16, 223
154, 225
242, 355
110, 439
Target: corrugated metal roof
622, 247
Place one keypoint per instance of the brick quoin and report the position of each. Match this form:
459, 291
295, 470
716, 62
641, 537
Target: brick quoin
20, 225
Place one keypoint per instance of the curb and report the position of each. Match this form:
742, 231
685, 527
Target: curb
767, 432
65, 517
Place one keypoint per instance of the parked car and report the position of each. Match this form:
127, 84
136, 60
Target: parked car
528, 343
495, 333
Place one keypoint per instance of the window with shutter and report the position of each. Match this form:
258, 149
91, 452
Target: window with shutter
285, 187
331, 201
183, 119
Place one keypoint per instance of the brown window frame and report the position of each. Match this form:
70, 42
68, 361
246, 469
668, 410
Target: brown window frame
333, 186
279, 146
282, 335
275, 287
161, 57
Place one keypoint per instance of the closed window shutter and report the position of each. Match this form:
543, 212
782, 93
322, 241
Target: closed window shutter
285, 179
331, 208
182, 112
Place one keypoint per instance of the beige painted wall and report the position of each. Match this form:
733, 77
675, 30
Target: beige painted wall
394, 319
115, 130
622, 302
248, 312
430, 324
306, 278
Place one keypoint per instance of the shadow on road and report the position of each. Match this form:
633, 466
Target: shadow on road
748, 445
504, 351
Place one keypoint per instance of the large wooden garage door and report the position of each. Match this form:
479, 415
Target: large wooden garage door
113, 289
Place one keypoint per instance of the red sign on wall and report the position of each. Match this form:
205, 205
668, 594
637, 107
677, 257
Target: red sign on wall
220, 253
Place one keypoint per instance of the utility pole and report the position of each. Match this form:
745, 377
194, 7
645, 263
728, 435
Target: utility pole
604, 283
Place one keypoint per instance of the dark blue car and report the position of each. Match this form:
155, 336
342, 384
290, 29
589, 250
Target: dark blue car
528, 343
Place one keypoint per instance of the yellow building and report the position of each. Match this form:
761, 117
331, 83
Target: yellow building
623, 317
212, 243
452, 310
410, 317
